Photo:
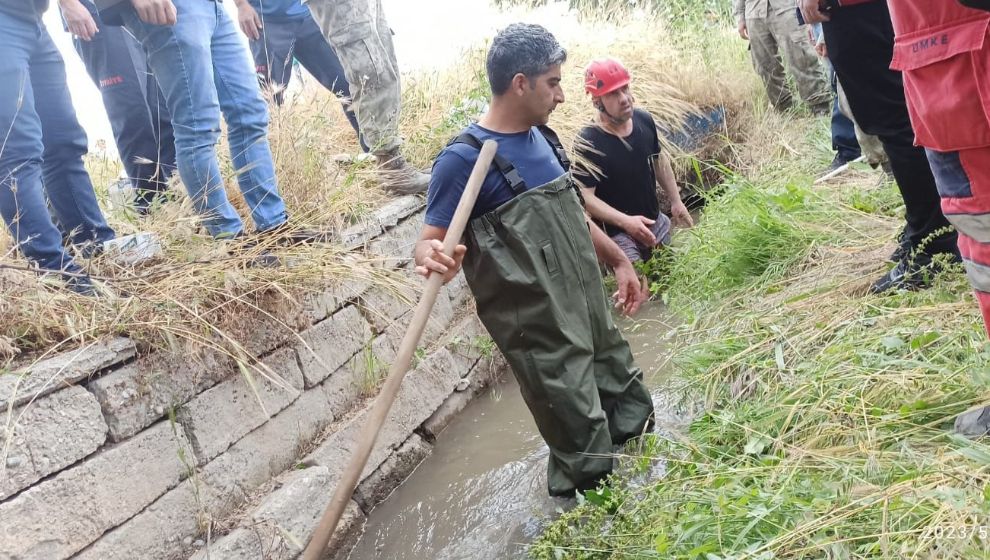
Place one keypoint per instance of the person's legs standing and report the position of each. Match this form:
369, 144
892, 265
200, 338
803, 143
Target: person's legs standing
802, 62
69, 188
247, 124
860, 41
320, 60
116, 63
22, 196
180, 56
362, 39
767, 63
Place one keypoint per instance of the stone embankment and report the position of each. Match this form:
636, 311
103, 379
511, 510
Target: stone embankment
109, 455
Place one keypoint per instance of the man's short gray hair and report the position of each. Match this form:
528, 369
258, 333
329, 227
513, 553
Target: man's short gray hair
521, 48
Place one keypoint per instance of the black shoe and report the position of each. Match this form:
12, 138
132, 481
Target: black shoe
902, 250
914, 272
80, 284
838, 161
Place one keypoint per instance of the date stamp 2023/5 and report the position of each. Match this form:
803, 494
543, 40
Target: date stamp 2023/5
959, 532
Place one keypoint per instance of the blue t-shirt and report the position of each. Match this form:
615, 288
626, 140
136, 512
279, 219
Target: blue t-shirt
530, 153
280, 9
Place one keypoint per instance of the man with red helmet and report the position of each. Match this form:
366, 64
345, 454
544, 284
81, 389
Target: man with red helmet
620, 166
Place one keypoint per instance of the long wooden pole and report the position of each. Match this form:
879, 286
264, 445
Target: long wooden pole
379, 410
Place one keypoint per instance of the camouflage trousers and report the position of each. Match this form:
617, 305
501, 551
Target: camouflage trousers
780, 34
357, 30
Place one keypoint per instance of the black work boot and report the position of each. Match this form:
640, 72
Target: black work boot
398, 177
973, 423
913, 272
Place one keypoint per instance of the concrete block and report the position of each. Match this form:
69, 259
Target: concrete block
157, 533
382, 306
395, 247
344, 388
63, 369
422, 392
265, 452
458, 291
48, 435
221, 486
284, 538
331, 343
440, 321
377, 487
64, 514
389, 215
477, 378
223, 414
138, 394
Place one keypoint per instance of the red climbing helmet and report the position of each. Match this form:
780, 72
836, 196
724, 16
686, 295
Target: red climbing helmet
605, 76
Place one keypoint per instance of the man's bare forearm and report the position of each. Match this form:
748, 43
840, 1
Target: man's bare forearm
665, 176
606, 249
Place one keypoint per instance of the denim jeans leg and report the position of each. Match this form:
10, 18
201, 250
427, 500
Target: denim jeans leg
247, 124
180, 56
22, 197
67, 182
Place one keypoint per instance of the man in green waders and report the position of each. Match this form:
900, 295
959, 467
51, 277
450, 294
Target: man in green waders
529, 258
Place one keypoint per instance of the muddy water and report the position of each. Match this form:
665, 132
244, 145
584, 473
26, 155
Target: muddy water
482, 493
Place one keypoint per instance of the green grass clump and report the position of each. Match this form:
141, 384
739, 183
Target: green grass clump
747, 232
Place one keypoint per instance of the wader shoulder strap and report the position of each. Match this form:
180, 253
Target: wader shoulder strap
557, 146
504, 166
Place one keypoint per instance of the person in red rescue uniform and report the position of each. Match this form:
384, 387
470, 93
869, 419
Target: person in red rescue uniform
942, 48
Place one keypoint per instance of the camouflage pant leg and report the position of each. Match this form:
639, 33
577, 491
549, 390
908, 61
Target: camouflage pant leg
363, 40
767, 63
803, 63
870, 145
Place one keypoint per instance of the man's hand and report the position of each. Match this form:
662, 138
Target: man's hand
436, 261
630, 294
680, 216
249, 21
78, 19
743, 30
638, 227
812, 13
155, 12
821, 49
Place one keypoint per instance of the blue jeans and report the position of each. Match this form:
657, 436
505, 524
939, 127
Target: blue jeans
204, 71
300, 38
42, 152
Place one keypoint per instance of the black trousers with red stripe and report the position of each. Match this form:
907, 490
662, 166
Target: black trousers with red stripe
860, 42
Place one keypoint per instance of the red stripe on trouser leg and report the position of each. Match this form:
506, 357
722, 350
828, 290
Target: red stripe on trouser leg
965, 188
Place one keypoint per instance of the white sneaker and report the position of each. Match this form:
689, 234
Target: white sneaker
133, 249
